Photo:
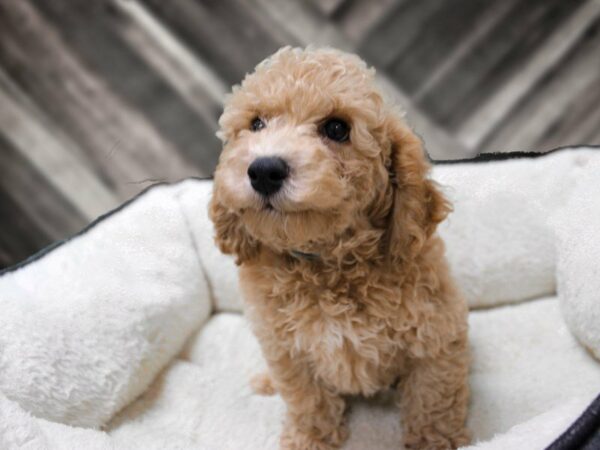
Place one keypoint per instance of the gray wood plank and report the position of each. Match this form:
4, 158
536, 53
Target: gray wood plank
94, 32
543, 116
49, 212
397, 31
19, 237
328, 7
223, 32
119, 142
59, 161
496, 107
495, 59
358, 18
440, 35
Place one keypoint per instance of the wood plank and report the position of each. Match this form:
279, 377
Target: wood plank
222, 32
483, 120
555, 98
521, 32
193, 78
95, 33
579, 123
302, 23
483, 26
328, 8
398, 31
359, 18
449, 30
39, 203
58, 161
20, 237
118, 141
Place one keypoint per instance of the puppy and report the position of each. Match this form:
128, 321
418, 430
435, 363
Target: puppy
322, 195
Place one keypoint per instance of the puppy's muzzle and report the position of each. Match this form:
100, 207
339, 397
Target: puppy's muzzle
267, 174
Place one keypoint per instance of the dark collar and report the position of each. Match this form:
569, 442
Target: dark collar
307, 256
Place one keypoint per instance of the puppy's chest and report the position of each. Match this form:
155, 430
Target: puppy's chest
349, 345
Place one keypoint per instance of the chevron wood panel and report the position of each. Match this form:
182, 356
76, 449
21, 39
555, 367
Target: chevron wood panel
100, 99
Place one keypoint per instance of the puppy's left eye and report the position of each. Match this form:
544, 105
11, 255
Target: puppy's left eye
336, 130
257, 124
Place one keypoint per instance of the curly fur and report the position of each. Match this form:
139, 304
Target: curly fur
378, 307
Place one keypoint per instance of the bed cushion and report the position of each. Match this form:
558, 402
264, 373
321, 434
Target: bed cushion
86, 328
93, 323
208, 386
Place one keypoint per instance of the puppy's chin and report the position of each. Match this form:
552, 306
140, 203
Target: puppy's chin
302, 230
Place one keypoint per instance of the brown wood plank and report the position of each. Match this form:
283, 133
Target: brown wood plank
94, 32
559, 100
120, 143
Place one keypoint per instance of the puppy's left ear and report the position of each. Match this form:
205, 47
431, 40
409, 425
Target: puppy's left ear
418, 206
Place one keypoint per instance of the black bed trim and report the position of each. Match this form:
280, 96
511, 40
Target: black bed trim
489, 157
584, 433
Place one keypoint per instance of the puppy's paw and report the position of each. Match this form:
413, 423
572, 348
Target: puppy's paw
294, 439
262, 384
434, 440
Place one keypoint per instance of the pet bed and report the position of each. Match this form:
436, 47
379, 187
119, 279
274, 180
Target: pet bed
129, 334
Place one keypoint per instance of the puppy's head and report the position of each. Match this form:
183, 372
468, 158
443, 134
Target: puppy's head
312, 153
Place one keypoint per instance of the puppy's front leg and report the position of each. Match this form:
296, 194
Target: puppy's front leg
314, 413
433, 400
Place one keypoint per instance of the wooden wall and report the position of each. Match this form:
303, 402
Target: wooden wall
99, 99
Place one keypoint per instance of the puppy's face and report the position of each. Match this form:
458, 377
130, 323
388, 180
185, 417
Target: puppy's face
307, 153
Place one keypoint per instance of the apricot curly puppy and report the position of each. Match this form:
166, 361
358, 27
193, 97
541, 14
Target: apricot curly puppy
322, 194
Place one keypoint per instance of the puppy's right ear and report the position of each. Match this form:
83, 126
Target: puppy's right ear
231, 236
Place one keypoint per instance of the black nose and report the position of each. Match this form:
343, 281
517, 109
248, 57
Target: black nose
267, 174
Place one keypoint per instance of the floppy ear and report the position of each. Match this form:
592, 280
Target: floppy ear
418, 206
230, 236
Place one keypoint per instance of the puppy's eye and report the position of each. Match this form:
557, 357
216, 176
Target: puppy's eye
257, 124
336, 130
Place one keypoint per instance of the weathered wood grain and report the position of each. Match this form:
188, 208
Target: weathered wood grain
447, 30
359, 17
521, 32
122, 145
94, 33
221, 31
100, 99
328, 8
558, 96
39, 203
398, 30
523, 82
59, 162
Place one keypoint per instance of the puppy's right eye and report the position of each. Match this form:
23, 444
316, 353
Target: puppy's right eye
257, 124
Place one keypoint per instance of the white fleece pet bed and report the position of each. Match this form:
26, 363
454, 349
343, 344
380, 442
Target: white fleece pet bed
129, 336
